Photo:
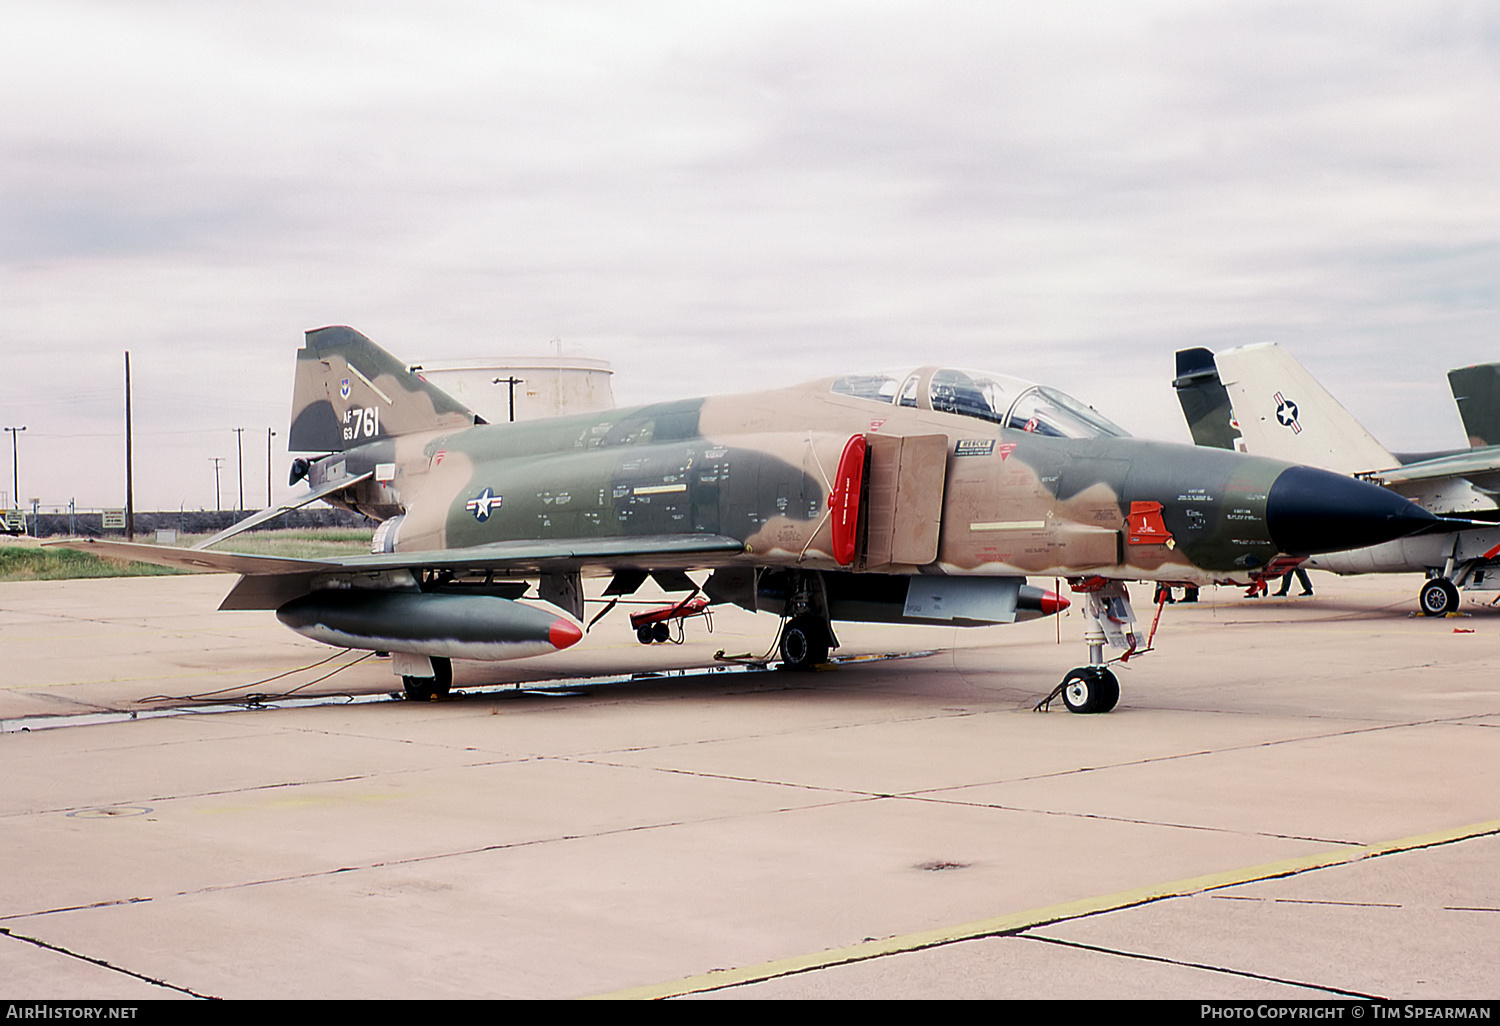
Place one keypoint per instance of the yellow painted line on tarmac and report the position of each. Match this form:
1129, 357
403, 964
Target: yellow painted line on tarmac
1015, 922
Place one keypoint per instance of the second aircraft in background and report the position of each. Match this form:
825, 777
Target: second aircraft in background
1262, 401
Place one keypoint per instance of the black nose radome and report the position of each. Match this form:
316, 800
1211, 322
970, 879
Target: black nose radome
1310, 510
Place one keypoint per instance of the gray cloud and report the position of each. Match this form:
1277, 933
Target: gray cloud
1066, 193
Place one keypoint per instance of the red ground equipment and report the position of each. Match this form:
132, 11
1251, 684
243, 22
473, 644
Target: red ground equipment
655, 624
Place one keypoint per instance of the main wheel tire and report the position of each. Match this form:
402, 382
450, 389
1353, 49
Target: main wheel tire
1438, 597
1109, 690
421, 689
1090, 689
804, 643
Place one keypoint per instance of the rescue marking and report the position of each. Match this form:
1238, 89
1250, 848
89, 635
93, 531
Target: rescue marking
483, 504
1018, 922
1006, 448
974, 447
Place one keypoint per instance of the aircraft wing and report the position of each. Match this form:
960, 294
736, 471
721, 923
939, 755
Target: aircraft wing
1481, 467
645, 552
194, 559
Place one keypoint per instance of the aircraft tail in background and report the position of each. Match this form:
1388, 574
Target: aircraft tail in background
1283, 412
1204, 401
1476, 390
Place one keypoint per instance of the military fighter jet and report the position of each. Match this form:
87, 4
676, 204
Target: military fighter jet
925, 497
1260, 400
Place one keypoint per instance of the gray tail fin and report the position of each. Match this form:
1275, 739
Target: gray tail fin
1476, 390
349, 392
1205, 402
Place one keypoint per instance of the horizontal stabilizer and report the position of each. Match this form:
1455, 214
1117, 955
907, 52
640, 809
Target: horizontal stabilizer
272, 512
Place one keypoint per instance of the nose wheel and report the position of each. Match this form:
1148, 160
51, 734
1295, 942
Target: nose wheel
1090, 689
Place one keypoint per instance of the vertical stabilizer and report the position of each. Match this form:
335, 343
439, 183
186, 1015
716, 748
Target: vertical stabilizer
1205, 403
349, 392
1476, 390
1284, 413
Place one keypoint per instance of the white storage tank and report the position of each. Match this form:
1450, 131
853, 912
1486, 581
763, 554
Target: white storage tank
543, 386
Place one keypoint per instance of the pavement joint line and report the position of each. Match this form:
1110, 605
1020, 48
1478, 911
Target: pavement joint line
1250, 746
1132, 821
1016, 922
38, 942
1242, 973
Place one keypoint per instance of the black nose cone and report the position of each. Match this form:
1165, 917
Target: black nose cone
1310, 510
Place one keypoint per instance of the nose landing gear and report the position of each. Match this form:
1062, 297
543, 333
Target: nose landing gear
1108, 618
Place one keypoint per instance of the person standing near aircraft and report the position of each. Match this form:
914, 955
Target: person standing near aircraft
1286, 583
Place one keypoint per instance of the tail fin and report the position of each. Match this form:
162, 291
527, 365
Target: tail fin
349, 392
1284, 413
1204, 401
1476, 390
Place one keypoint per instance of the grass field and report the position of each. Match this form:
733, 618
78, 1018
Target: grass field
24, 559
305, 543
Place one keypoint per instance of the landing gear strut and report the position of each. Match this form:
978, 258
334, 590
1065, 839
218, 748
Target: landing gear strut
807, 634
1108, 618
421, 689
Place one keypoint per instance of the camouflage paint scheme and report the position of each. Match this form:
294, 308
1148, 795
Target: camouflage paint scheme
756, 468
926, 498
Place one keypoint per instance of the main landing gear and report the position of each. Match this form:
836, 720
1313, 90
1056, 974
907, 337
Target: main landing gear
805, 641
1438, 597
423, 688
806, 632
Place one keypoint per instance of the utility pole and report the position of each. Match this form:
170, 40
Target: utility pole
239, 440
219, 506
15, 472
512, 381
269, 435
129, 456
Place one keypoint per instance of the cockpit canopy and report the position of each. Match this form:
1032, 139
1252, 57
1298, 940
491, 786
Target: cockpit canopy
997, 398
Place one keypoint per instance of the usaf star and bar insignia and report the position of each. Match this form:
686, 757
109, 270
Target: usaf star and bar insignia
1286, 413
483, 504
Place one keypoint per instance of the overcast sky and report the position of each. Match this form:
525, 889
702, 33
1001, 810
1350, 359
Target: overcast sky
724, 196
